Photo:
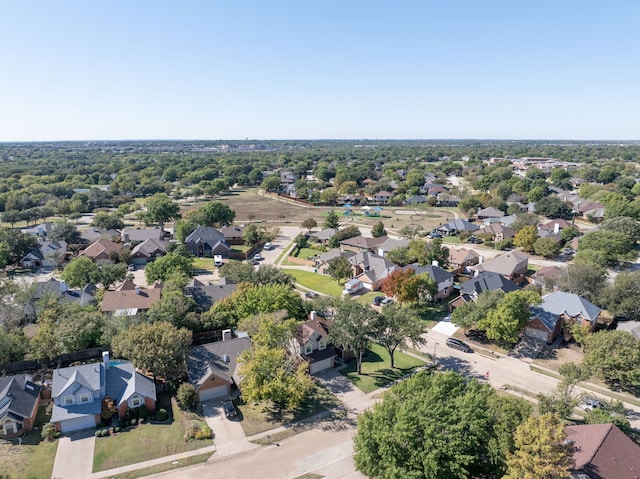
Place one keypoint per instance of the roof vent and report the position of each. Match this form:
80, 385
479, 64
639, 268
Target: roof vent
226, 358
138, 290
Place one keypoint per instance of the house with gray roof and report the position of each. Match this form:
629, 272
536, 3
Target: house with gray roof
48, 254
390, 244
490, 212
441, 277
212, 368
484, 282
322, 236
19, 401
456, 227
139, 235
557, 312
207, 241
371, 269
512, 265
148, 250
206, 295
322, 261
362, 243
78, 391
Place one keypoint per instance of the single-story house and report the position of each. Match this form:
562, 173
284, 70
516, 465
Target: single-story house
139, 235
557, 311
456, 227
602, 451
148, 250
60, 289
93, 234
390, 244
512, 265
207, 241
358, 244
212, 367
497, 232
233, 234
39, 231
101, 251
128, 299
19, 401
78, 391
206, 295
47, 254
322, 236
490, 212
441, 277
461, 258
322, 261
311, 343
487, 281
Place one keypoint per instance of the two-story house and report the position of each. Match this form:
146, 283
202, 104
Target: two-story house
311, 343
19, 401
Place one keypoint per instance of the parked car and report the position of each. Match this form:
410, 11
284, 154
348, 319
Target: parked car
258, 257
474, 240
131, 267
310, 294
434, 235
229, 409
459, 345
268, 246
377, 300
588, 404
386, 301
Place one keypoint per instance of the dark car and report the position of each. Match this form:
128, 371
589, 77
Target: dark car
310, 295
377, 300
229, 409
434, 235
459, 345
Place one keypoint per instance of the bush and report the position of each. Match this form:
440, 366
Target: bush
162, 415
134, 421
141, 420
117, 429
98, 433
49, 432
143, 412
186, 396
204, 432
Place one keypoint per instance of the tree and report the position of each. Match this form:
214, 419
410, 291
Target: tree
251, 235
214, 214
397, 326
541, 452
174, 306
553, 207
340, 268
13, 344
164, 266
547, 247
614, 246
80, 272
332, 220
160, 348
526, 237
350, 231
352, 328
309, 224
435, 426
378, 230
622, 298
160, 209
109, 274
108, 221
186, 396
614, 357
64, 231
469, 314
270, 184
511, 315
623, 224
237, 272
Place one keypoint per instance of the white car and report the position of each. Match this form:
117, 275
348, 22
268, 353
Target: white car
588, 404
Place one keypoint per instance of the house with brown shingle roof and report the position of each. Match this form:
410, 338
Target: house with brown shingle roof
101, 251
602, 451
359, 244
311, 343
512, 265
461, 258
497, 232
129, 299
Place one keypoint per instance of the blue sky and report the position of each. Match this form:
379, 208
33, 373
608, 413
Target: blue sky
427, 69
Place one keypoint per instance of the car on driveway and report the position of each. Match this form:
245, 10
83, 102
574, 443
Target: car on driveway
588, 404
459, 345
386, 301
310, 295
258, 257
229, 409
377, 300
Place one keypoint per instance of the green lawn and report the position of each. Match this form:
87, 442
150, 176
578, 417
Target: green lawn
167, 466
256, 418
307, 253
148, 441
203, 264
376, 372
435, 312
316, 282
240, 248
34, 458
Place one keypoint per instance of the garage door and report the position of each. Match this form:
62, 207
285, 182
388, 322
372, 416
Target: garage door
318, 366
536, 334
84, 422
212, 393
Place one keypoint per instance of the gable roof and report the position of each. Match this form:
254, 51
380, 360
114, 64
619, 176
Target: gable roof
232, 231
333, 254
208, 359
389, 244
375, 267
436, 273
363, 242
494, 229
488, 281
313, 327
128, 297
207, 235
206, 295
561, 302
102, 247
462, 255
458, 225
505, 264
323, 235
122, 382
18, 396
141, 234
149, 247
604, 451
490, 212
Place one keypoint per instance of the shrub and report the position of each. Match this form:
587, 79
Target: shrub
98, 433
111, 430
190, 430
143, 412
186, 396
49, 432
117, 429
134, 421
162, 415
204, 432
141, 420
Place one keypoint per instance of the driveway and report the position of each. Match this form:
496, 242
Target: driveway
228, 434
74, 457
340, 386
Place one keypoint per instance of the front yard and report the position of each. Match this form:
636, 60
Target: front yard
317, 282
34, 458
376, 372
147, 441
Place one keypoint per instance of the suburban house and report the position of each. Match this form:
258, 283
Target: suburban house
147, 251
554, 226
358, 244
78, 391
461, 258
93, 234
19, 401
490, 212
206, 295
557, 311
212, 367
59, 289
602, 451
382, 197
48, 254
416, 200
139, 235
207, 241
101, 251
371, 269
441, 277
542, 276
390, 244
496, 232
322, 261
487, 281
39, 231
233, 234
322, 236
456, 227
311, 343
512, 265
128, 299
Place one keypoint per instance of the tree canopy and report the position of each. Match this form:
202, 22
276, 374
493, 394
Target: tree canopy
505, 322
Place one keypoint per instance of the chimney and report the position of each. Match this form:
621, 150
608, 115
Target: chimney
226, 335
312, 315
138, 290
380, 252
480, 259
63, 287
556, 228
435, 263
226, 358
105, 359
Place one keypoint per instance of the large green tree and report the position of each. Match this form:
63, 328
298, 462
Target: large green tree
214, 214
614, 357
80, 272
506, 321
332, 220
163, 267
352, 328
622, 298
469, 314
397, 326
614, 246
161, 208
586, 280
340, 268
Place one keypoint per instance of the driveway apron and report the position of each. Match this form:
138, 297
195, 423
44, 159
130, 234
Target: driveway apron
74, 457
228, 434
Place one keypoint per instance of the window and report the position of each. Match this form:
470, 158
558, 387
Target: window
84, 397
323, 344
136, 401
308, 349
67, 400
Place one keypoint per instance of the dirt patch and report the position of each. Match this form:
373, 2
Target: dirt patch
553, 358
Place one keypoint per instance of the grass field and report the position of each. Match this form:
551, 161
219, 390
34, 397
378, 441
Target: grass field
34, 458
148, 441
376, 372
317, 282
167, 466
204, 264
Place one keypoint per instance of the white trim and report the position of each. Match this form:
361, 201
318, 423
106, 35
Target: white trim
67, 400
322, 344
136, 399
308, 349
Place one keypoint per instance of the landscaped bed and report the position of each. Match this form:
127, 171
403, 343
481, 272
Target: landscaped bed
376, 372
145, 442
34, 458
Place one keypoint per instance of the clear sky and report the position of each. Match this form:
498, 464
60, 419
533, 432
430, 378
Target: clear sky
303, 69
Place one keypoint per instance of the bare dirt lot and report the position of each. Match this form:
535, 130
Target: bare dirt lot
553, 358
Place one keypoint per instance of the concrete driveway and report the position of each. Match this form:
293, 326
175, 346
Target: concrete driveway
341, 387
228, 434
74, 457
